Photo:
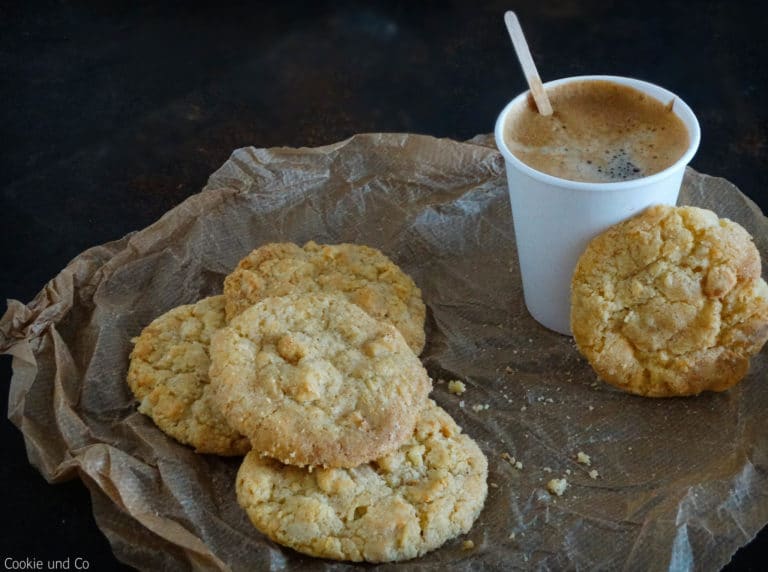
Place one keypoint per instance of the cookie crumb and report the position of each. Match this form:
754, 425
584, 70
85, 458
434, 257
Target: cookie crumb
456, 387
512, 536
518, 465
461, 404
547, 470
583, 458
567, 471
591, 407
493, 485
593, 474
557, 486
467, 545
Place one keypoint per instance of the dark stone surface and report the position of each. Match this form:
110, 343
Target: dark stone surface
113, 113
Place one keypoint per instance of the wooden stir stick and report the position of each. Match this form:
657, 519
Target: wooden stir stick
526, 62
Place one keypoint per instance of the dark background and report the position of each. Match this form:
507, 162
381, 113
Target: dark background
113, 113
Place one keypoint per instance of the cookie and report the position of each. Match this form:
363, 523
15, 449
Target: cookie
363, 274
431, 489
670, 303
168, 374
314, 380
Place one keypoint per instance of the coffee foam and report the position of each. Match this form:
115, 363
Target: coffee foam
600, 131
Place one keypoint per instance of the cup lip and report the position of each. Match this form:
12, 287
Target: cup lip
680, 107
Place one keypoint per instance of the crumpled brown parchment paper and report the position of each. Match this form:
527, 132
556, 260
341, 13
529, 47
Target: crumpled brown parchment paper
682, 481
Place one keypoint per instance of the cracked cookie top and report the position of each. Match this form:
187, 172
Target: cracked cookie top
362, 274
314, 380
168, 374
429, 490
670, 302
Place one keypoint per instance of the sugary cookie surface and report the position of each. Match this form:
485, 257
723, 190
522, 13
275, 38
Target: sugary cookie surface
168, 374
670, 302
431, 489
361, 273
314, 380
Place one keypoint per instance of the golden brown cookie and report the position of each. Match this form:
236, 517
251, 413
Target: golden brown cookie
363, 274
314, 380
431, 489
670, 303
168, 374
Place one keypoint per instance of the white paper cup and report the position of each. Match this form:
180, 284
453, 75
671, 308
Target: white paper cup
555, 218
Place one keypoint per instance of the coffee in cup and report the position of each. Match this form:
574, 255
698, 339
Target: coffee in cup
556, 217
600, 132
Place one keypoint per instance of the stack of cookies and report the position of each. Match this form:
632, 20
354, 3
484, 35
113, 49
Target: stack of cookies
308, 363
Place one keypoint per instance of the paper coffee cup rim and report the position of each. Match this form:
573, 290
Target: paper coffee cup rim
680, 108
